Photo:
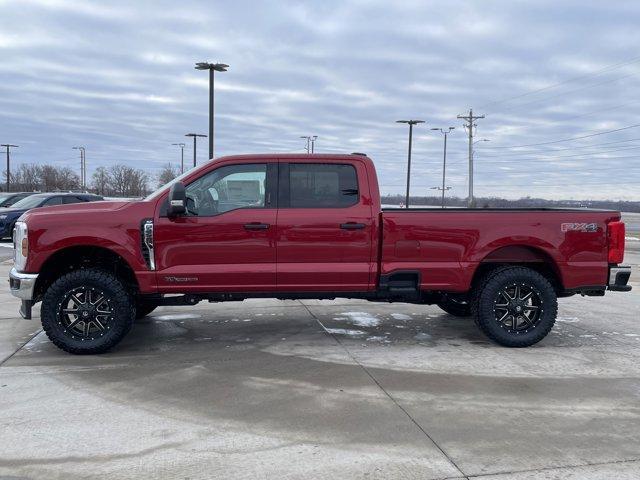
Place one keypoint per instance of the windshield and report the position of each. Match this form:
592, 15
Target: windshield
4, 197
29, 202
161, 189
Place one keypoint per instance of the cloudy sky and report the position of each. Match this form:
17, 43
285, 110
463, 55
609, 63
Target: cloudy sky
118, 77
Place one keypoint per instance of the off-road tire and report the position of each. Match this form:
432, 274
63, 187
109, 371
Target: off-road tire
455, 307
484, 301
115, 327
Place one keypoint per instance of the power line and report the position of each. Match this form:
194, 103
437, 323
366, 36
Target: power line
572, 148
564, 82
542, 155
570, 139
570, 91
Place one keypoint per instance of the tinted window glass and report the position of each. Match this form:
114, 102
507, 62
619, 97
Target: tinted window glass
72, 199
317, 185
53, 201
227, 188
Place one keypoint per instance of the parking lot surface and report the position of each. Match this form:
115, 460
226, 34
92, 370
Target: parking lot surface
326, 389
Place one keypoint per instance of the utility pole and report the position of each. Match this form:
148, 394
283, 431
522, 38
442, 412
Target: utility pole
411, 123
212, 67
470, 119
313, 142
195, 139
444, 159
9, 146
308, 139
443, 188
83, 167
181, 145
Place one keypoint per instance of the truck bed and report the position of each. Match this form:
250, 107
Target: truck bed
446, 246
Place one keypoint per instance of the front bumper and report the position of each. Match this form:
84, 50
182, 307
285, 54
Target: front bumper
619, 277
22, 286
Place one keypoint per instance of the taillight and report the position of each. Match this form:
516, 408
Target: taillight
615, 240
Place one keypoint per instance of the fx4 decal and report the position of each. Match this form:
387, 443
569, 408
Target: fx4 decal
579, 227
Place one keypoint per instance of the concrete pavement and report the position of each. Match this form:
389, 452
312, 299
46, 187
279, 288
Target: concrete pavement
319, 389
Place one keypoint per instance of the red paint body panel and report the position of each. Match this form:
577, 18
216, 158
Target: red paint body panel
305, 249
446, 247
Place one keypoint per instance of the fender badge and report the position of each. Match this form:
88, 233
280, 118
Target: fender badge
579, 227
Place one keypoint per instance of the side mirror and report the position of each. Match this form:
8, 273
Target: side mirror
177, 200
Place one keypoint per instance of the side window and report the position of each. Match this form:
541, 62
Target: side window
227, 188
72, 199
53, 201
322, 185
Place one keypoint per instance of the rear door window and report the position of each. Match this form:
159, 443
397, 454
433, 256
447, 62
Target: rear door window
53, 201
322, 185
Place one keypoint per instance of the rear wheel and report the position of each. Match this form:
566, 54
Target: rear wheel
87, 311
515, 307
457, 307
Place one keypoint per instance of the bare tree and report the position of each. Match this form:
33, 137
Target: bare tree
167, 173
125, 181
101, 181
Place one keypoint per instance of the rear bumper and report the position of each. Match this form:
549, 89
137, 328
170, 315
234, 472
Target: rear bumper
619, 278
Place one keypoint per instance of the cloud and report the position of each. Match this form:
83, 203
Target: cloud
118, 77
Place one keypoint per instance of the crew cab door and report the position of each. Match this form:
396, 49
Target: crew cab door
325, 229
226, 241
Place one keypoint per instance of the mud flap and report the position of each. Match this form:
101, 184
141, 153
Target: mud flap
25, 309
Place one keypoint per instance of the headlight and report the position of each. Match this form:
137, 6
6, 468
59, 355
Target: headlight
20, 246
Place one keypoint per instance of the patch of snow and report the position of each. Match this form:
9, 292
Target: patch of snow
378, 339
422, 336
362, 319
401, 316
631, 335
345, 331
176, 316
632, 239
568, 319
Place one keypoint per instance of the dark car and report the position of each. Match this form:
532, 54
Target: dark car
8, 199
9, 216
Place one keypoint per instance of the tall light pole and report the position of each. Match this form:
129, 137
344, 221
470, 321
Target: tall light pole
444, 158
411, 123
313, 143
9, 146
83, 167
195, 140
181, 145
308, 139
212, 67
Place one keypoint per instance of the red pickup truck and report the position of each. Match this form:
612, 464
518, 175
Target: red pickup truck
297, 227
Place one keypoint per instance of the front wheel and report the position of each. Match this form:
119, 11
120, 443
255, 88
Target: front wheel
515, 307
87, 311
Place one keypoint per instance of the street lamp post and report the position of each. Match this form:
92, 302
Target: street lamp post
83, 167
195, 140
411, 123
212, 67
181, 145
313, 143
444, 158
9, 146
